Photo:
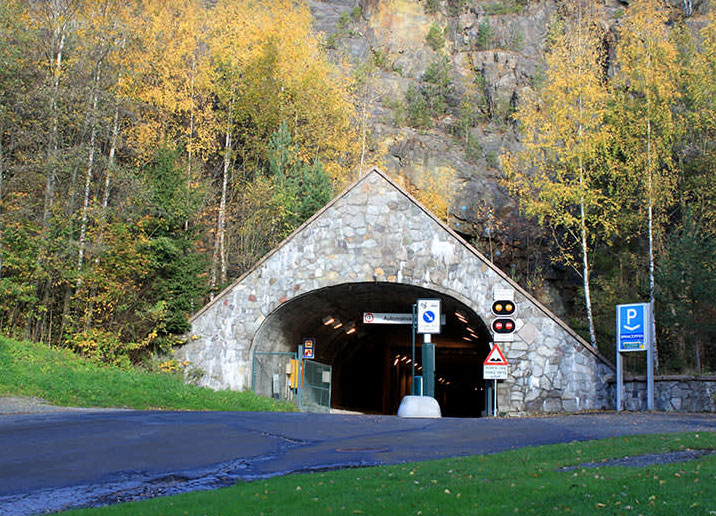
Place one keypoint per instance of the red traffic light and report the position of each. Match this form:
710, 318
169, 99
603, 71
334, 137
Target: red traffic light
503, 325
503, 307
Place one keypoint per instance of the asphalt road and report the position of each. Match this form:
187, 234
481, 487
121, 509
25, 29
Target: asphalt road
56, 461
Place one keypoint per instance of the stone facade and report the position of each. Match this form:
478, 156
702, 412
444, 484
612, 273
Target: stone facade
375, 232
671, 393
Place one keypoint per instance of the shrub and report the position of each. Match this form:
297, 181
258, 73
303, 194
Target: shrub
473, 148
379, 57
438, 85
101, 346
356, 14
431, 6
518, 41
485, 35
417, 111
435, 37
344, 20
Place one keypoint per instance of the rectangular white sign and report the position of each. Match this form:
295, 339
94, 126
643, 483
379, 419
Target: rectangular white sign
391, 318
386, 318
494, 372
429, 316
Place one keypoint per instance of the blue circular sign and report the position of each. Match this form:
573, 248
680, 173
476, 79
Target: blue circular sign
428, 316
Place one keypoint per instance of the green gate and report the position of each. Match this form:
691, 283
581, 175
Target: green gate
271, 375
316, 392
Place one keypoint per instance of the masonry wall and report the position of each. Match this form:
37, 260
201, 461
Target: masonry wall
375, 232
674, 393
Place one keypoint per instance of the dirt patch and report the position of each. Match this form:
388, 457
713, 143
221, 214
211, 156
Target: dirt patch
10, 405
650, 459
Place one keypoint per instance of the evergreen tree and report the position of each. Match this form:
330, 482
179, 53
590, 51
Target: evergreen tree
175, 281
301, 188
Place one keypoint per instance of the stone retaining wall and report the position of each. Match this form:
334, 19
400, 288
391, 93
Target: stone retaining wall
671, 393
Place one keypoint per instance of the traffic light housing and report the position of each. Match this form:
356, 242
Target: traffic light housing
503, 307
503, 325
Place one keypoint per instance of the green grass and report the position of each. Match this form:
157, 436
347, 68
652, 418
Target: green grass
525, 481
63, 378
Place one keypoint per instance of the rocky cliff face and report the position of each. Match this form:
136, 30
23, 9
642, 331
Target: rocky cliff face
491, 51
468, 65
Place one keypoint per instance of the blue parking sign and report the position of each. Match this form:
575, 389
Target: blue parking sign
633, 327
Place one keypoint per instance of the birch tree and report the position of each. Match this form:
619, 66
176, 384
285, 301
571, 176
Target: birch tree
646, 90
559, 176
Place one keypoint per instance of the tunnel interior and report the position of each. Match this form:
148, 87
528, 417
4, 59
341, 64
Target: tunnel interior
372, 364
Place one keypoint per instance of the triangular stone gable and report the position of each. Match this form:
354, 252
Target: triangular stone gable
375, 231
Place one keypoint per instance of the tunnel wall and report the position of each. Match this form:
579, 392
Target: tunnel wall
375, 231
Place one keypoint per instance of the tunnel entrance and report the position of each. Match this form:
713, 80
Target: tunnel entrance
372, 363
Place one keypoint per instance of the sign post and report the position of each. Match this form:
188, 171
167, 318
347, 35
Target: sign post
633, 325
495, 368
413, 320
401, 318
300, 376
428, 323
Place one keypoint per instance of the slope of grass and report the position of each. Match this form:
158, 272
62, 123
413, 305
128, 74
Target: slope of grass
63, 378
525, 481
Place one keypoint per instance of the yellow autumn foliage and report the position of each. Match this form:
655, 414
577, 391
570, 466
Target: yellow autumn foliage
269, 64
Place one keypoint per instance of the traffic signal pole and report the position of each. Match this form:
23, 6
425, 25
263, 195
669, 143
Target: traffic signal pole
413, 390
428, 366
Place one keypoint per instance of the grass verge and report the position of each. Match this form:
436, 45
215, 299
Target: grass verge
63, 378
525, 481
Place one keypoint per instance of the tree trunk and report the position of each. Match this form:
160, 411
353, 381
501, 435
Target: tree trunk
219, 257
650, 212
2, 170
89, 175
191, 134
53, 141
585, 275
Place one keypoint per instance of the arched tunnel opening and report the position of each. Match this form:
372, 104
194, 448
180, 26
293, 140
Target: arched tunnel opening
372, 363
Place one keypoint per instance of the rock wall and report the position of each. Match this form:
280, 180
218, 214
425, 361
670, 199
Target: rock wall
671, 393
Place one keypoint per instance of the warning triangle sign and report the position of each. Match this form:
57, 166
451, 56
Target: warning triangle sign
495, 357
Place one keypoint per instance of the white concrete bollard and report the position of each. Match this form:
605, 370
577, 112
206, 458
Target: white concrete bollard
419, 406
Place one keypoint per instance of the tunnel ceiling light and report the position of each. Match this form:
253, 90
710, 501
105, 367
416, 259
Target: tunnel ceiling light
337, 325
467, 338
460, 316
470, 330
351, 330
328, 320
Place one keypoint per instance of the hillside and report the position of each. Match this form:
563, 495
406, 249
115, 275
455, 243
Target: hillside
151, 152
493, 53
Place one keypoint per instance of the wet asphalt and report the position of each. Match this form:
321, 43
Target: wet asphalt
51, 462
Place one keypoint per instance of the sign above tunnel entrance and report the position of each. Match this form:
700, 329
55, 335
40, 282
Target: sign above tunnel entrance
429, 316
386, 318
391, 318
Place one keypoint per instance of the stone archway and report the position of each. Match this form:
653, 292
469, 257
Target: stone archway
372, 363
375, 233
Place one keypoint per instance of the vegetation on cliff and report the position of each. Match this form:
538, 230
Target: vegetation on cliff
615, 167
